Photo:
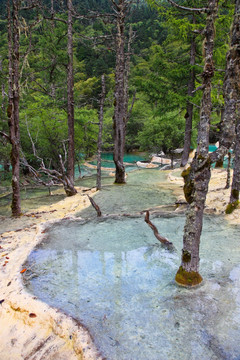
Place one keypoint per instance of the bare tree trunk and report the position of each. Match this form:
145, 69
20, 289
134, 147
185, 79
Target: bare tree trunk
189, 112
99, 143
161, 238
228, 171
232, 110
67, 183
127, 72
119, 117
219, 163
2, 87
70, 97
79, 170
188, 274
13, 103
235, 188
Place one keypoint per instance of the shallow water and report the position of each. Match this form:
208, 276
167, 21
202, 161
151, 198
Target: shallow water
129, 159
115, 277
32, 198
143, 190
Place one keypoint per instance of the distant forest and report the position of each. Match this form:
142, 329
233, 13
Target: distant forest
160, 67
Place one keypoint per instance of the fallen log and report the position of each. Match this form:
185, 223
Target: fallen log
162, 239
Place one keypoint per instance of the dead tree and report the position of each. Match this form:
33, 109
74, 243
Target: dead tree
164, 241
95, 206
56, 176
13, 101
70, 96
189, 112
120, 116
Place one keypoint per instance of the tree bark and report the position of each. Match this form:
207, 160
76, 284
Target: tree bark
188, 273
162, 239
2, 88
119, 117
232, 108
99, 144
228, 171
189, 112
96, 207
13, 102
70, 96
199, 176
235, 188
67, 183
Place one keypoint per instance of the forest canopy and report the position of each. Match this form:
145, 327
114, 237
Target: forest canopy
159, 74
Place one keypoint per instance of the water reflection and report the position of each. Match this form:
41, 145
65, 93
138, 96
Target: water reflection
115, 278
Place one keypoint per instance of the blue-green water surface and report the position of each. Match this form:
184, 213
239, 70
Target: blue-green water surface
114, 277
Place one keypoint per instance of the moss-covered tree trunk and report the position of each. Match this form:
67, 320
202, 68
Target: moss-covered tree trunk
198, 178
188, 273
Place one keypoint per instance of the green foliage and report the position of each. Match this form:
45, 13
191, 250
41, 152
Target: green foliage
163, 132
44, 126
86, 131
159, 73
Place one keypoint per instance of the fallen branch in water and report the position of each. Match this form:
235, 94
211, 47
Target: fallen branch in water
96, 207
162, 239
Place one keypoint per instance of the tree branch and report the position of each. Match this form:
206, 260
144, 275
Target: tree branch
199, 10
162, 239
96, 207
5, 136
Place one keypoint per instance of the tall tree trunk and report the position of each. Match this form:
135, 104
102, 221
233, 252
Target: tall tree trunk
199, 176
13, 103
219, 163
99, 144
235, 188
232, 110
228, 171
119, 117
188, 273
70, 96
189, 112
2, 87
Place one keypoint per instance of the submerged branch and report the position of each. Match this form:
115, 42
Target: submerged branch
162, 239
96, 207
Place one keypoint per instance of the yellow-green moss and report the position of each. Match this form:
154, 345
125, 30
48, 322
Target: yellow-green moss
186, 278
188, 185
231, 206
235, 194
186, 256
186, 172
